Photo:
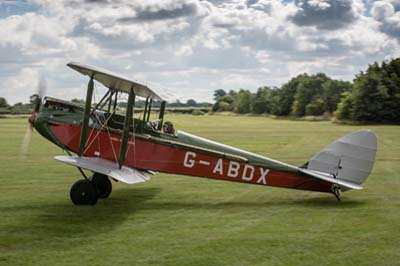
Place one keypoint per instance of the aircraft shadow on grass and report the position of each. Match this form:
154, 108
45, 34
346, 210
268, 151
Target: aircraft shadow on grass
125, 202
60, 220
322, 202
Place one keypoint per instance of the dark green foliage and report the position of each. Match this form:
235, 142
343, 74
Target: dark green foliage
302, 95
243, 102
345, 107
218, 94
264, 100
20, 108
4, 111
375, 96
309, 87
224, 104
3, 102
191, 102
78, 101
4, 106
285, 97
316, 107
332, 91
238, 102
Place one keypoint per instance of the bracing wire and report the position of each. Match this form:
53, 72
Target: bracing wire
103, 125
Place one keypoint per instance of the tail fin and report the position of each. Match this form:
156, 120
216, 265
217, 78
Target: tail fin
349, 158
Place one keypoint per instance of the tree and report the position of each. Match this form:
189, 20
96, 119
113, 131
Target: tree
316, 107
243, 102
3, 102
332, 91
78, 101
191, 102
224, 104
218, 94
345, 107
283, 98
264, 100
309, 88
375, 96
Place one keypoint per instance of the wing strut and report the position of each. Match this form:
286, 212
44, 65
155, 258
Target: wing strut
86, 116
127, 124
161, 116
149, 111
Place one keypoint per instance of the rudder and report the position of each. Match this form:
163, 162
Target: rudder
350, 158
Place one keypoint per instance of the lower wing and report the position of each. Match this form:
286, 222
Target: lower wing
124, 174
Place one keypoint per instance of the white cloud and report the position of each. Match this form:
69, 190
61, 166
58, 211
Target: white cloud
22, 85
193, 46
388, 14
382, 10
319, 4
185, 50
154, 63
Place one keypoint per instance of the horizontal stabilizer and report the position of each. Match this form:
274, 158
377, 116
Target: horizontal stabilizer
125, 174
345, 185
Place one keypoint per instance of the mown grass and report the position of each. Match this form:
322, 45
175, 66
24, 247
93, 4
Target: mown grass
179, 220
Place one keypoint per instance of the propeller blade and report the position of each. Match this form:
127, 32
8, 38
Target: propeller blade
37, 100
25, 143
41, 90
42, 87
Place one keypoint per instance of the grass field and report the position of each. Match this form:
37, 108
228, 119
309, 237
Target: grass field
179, 220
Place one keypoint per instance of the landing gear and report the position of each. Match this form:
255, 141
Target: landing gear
83, 193
88, 191
102, 184
336, 191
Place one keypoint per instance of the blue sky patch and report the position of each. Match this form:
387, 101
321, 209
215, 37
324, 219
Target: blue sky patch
16, 7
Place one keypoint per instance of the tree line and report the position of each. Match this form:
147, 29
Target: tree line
373, 96
18, 108
190, 106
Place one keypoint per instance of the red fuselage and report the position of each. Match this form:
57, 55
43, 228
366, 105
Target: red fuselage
154, 153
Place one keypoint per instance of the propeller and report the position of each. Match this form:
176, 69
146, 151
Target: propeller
36, 99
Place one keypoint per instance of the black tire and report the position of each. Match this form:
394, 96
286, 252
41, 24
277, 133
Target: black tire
83, 193
102, 184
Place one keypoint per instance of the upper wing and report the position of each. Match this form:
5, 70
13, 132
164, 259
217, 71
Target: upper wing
125, 174
115, 81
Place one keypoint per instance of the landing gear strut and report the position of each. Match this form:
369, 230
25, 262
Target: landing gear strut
88, 191
336, 191
102, 184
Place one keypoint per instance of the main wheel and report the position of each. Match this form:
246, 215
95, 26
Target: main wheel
102, 184
83, 193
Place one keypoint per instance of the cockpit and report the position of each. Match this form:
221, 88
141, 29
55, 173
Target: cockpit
102, 118
54, 104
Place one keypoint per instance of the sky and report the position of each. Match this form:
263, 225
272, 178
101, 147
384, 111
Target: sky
190, 47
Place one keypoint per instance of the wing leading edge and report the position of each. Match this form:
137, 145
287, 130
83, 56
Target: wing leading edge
115, 81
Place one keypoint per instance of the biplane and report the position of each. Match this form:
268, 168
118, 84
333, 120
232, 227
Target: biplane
115, 145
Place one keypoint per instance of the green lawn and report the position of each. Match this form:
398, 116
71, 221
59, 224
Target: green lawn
179, 220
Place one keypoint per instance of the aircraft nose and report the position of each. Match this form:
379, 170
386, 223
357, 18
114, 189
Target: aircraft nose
32, 118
